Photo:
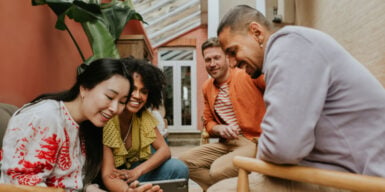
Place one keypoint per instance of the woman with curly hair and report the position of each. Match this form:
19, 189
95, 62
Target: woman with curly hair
127, 138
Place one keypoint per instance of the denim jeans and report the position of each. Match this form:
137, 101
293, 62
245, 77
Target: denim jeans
170, 169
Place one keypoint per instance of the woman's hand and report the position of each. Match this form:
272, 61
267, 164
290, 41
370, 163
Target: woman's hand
117, 173
133, 187
126, 175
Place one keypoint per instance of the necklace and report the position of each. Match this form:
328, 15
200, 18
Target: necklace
128, 131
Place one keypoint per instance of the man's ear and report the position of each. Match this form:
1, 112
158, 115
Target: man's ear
256, 30
231, 61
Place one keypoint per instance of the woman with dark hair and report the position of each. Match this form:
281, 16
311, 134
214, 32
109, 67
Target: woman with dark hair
56, 140
128, 138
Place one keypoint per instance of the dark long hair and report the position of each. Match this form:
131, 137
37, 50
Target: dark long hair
153, 79
95, 73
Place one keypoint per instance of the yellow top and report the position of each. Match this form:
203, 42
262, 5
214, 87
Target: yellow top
143, 134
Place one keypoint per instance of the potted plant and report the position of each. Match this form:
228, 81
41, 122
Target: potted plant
102, 21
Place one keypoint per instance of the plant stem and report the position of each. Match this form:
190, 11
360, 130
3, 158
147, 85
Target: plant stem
76, 44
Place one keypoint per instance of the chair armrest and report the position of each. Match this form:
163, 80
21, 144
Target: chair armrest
26, 188
336, 179
205, 136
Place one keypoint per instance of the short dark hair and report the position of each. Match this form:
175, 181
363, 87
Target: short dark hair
211, 42
240, 16
153, 79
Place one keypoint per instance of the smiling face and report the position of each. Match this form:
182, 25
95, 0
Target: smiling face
216, 63
105, 100
139, 95
245, 47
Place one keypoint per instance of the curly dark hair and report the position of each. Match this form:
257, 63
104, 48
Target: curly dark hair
153, 79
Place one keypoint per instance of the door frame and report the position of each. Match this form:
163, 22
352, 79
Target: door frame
177, 105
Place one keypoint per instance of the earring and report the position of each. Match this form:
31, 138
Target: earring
260, 41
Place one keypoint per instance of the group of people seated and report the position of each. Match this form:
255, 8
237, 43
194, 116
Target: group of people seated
287, 96
97, 136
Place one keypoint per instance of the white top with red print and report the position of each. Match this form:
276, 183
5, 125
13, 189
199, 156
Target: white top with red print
42, 147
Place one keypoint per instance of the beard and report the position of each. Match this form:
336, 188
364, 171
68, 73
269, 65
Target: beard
256, 74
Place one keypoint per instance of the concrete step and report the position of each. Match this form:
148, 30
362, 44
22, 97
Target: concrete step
182, 139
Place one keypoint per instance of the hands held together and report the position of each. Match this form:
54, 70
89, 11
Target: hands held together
228, 131
126, 175
130, 177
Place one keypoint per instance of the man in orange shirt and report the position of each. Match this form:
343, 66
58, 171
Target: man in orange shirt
230, 114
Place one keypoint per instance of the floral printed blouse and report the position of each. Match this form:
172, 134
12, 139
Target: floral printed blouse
42, 147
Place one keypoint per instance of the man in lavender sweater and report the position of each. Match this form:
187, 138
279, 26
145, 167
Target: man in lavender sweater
324, 109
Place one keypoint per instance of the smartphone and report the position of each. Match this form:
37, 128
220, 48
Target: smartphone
170, 185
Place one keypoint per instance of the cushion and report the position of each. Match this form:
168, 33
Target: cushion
6, 111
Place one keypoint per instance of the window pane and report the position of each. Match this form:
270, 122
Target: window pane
169, 101
186, 95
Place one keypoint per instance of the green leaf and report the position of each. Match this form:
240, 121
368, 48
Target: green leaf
102, 42
60, 24
38, 2
41, 2
117, 14
79, 14
83, 12
58, 6
78, 10
102, 23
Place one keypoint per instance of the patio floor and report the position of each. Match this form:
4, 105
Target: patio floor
175, 151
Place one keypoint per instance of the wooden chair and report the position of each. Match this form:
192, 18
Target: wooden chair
336, 179
205, 136
26, 188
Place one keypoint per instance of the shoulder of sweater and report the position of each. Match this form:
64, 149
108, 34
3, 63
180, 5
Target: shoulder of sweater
47, 109
241, 74
298, 31
208, 83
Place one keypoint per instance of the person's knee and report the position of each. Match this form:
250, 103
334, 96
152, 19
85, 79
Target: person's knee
188, 161
192, 154
184, 157
178, 168
181, 168
219, 175
220, 170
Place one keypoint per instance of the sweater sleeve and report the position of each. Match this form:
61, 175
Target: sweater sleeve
208, 118
30, 150
296, 76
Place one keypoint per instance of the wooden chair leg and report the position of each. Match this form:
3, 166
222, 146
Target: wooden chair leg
243, 181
